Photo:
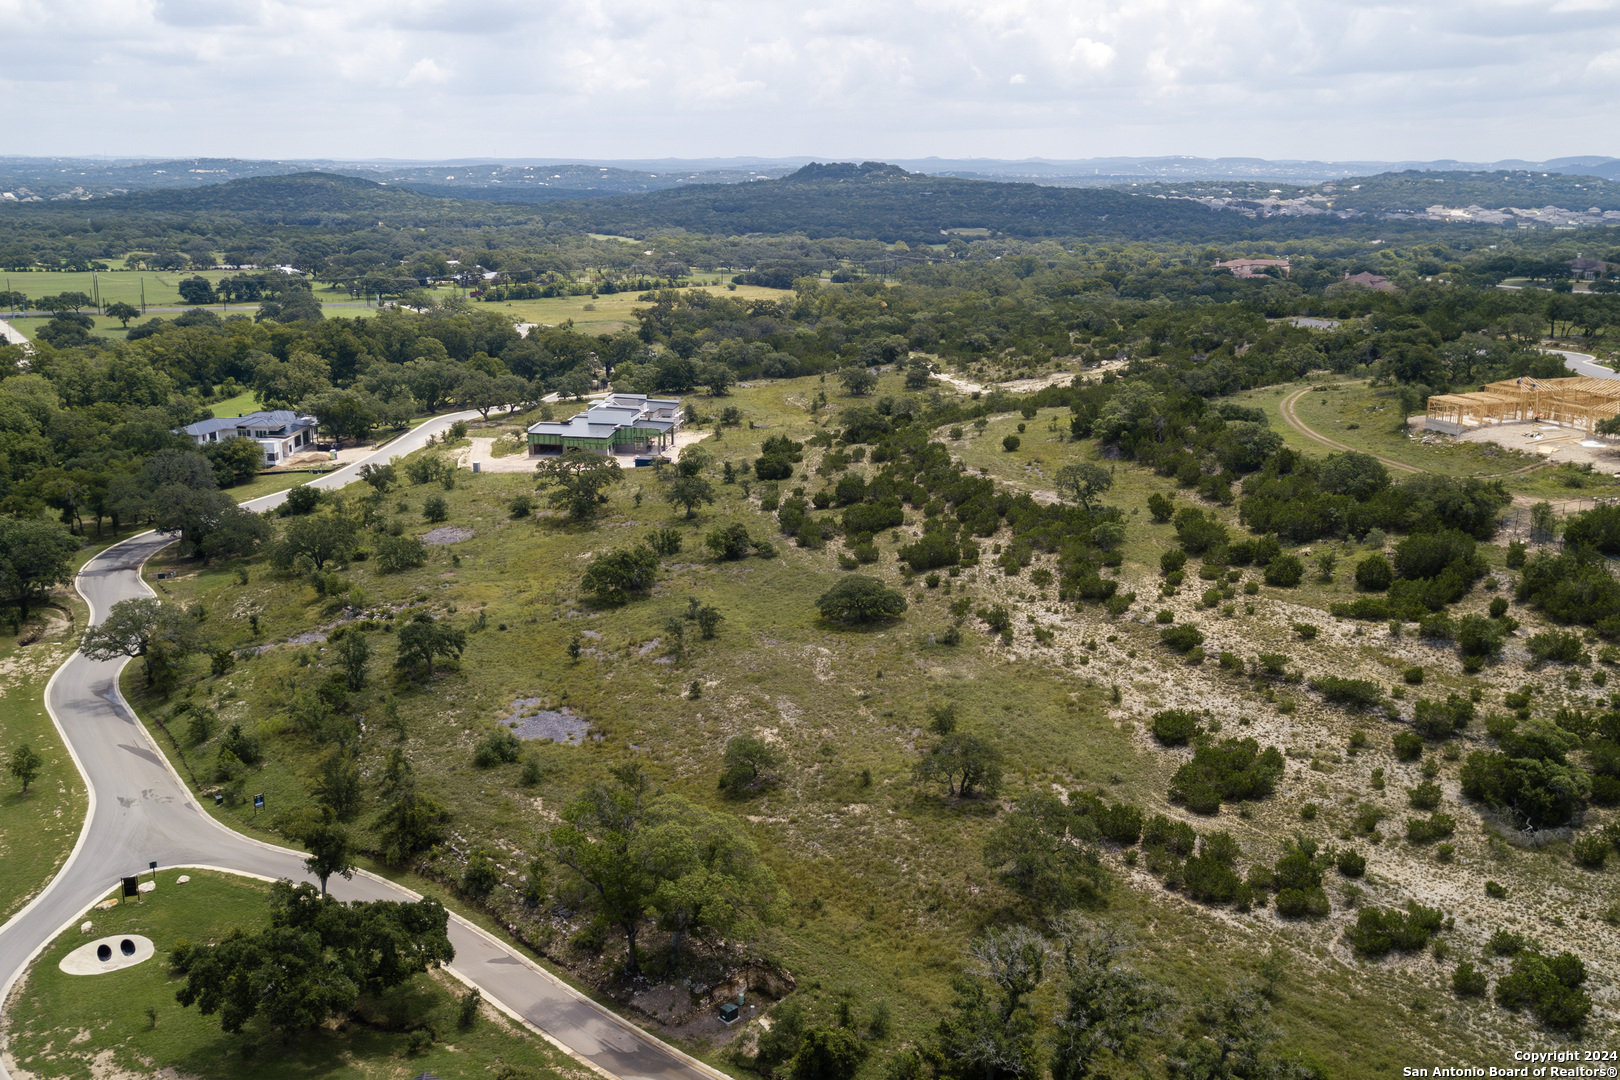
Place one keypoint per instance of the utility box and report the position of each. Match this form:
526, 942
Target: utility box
728, 1012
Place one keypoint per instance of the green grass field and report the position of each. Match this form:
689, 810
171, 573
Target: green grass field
80, 1026
162, 296
240, 405
610, 312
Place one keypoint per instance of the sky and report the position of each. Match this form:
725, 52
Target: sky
832, 79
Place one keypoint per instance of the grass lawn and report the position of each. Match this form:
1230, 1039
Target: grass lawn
76, 1026
37, 830
885, 883
240, 405
610, 312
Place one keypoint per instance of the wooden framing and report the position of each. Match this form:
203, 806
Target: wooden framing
1576, 402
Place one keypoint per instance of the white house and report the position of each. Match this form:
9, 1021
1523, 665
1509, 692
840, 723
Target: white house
281, 432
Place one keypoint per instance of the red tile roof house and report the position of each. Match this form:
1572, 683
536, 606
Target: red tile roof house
1371, 281
1252, 268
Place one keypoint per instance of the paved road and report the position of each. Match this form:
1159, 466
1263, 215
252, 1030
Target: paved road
1584, 364
141, 812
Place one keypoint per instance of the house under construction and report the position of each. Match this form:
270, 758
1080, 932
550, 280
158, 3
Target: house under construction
1577, 402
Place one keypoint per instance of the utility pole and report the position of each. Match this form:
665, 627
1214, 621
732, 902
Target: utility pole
143, 295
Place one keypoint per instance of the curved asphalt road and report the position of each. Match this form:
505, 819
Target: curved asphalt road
141, 812
1584, 364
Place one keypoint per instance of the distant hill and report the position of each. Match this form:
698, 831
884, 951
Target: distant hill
295, 196
878, 201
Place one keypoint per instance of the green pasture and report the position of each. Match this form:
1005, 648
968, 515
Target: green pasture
162, 296
610, 311
79, 1026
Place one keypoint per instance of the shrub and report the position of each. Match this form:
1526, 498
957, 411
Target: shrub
1364, 607
1413, 676
1436, 826
747, 765
1558, 646
665, 541
1499, 607
935, 549
858, 599
1380, 931
1352, 864
1306, 631
1408, 746
1426, 796
1209, 875
497, 748
773, 467
1285, 571
1173, 837
397, 553
1439, 719
1231, 770
1468, 981
480, 877
1011, 443
1591, 852
1196, 532
729, 541
1172, 560
521, 506
613, 575
1533, 783
1302, 903
1176, 727
1161, 508
1357, 694
1550, 987
1479, 638
301, 499
1181, 639
1495, 891
1373, 574
435, 509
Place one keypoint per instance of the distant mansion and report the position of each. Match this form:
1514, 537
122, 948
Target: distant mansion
281, 432
619, 423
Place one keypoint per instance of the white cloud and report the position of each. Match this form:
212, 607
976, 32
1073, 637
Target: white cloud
1280, 78
426, 73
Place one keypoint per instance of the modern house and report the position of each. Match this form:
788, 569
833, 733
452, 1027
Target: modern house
281, 432
619, 423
